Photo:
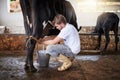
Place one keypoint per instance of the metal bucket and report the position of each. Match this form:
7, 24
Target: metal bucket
43, 59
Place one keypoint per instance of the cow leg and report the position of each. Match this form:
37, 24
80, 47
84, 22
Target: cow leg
116, 39
29, 60
106, 32
26, 15
26, 66
99, 42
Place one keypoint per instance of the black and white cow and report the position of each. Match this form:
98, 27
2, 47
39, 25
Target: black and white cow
107, 22
35, 12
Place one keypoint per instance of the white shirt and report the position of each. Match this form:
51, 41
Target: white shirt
71, 38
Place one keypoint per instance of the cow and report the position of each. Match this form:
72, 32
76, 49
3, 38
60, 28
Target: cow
107, 22
35, 12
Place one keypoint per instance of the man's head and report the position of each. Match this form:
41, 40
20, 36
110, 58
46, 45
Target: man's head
59, 21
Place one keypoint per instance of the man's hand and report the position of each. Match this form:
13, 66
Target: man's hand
46, 38
50, 40
56, 40
40, 41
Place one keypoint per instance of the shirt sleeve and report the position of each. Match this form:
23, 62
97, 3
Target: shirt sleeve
64, 33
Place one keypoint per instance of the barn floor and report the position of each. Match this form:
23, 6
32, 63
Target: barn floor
85, 67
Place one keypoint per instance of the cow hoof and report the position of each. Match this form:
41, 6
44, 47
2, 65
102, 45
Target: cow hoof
26, 67
30, 69
33, 69
102, 53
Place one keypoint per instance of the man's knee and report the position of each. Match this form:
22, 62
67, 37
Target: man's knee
51, 50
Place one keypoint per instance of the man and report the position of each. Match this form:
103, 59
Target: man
64, 52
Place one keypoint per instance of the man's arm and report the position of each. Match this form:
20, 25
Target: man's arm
54, 41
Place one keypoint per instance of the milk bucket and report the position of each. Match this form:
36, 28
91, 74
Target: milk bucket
43, 59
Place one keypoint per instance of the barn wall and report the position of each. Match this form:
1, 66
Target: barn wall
16, 43
14, 21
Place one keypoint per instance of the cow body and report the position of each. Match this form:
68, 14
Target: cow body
107, 22
35, 12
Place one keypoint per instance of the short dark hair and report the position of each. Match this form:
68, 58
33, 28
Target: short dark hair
58, 19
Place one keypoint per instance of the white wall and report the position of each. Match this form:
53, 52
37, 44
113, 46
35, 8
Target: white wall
86, 18
14, 21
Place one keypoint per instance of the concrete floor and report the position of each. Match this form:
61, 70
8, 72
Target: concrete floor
85, 67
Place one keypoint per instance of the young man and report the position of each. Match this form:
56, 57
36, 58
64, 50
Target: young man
64, 52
